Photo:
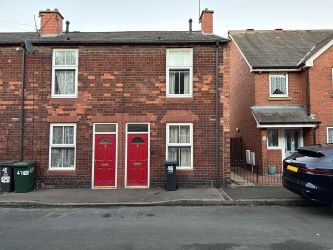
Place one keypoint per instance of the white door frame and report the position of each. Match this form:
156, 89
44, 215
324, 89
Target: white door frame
283, 139
127, 133
93, 154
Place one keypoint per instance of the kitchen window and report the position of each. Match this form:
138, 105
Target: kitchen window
62, 146
273, 138
180, 145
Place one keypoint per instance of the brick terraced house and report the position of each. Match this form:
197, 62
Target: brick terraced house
281, 90
105, 109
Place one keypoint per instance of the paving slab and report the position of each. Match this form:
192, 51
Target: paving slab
119, 196
260, 193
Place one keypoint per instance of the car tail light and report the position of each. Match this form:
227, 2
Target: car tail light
324, 172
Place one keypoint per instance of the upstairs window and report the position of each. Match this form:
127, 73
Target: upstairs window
179, 64
278, 84
64, 73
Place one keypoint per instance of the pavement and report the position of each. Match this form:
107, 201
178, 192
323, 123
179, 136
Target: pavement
236, 195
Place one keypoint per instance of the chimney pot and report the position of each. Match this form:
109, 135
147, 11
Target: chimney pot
206, 20
190, 25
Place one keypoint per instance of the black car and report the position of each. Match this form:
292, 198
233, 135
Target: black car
309, 173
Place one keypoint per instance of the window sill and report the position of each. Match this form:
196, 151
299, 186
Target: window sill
184, 171
181, 100
64, 173
63, 100
279, 98
273, 148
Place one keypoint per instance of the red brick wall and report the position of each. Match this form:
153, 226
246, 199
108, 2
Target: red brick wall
296, 90
242, 99
321, 90
116, 84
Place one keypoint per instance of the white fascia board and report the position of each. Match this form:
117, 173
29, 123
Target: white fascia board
309, 62
276, 70
287, 126
240, 51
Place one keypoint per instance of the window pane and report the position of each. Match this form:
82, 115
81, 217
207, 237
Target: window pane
278, 85
70, 57
173, 134
172, 154
330, 135
69, 135
68, 157
179, 81
60, 57
56, 158
179, 58
273, 138
108, 128
137, 127
185, 58
173, 58
57, 135
184, 136
185, 157
65, 82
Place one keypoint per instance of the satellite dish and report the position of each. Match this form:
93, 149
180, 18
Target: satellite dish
29, 47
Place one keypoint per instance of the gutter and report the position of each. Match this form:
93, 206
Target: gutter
116, 43
217, 115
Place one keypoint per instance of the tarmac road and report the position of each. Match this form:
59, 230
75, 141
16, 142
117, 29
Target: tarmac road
224, 227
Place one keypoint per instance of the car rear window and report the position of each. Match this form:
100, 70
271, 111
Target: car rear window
309, 153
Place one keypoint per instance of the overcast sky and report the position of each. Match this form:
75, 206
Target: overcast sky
123, 15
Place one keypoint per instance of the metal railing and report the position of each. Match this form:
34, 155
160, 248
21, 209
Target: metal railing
263, 173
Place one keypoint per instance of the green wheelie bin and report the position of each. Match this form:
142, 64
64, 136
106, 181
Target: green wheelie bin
24, 174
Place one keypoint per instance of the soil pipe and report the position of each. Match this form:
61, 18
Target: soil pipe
22, 105
217, 115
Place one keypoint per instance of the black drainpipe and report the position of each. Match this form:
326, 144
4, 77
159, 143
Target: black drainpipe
22, 105
308, 109
307, 92
217, 115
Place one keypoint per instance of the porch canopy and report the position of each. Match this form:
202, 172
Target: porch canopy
282, 116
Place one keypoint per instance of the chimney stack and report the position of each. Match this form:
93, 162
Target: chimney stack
50, 22
206, 20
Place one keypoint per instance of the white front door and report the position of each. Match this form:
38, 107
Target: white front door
293, 139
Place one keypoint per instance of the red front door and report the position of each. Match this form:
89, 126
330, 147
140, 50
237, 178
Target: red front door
137, 160
105, 160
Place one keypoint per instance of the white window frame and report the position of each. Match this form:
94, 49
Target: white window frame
190, 95
65, 67
52, 125
180, 144
278, 139
270, 84
327, 133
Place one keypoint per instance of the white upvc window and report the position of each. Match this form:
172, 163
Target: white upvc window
179, 72
64, 73
179, 144
273, 138
330, 135
278, 85
62, 146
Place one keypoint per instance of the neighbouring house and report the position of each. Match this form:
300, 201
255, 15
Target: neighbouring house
281, 91
105, 109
